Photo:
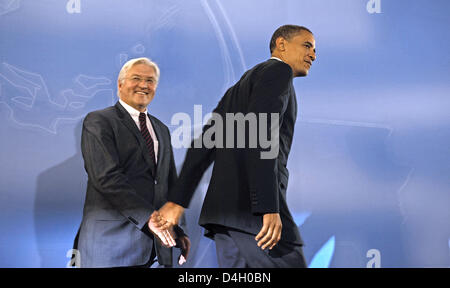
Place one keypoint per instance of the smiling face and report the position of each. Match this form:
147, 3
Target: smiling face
138, 87
299, 52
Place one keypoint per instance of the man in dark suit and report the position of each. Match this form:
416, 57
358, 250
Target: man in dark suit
129, 161
247, 192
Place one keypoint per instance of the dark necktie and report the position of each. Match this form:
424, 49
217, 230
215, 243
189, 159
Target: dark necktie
148, 139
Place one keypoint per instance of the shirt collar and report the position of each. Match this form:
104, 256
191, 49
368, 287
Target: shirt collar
131, 110
276, 58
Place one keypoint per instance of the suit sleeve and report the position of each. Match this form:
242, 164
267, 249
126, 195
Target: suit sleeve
172, 181
270, 94
106, 175
196, 162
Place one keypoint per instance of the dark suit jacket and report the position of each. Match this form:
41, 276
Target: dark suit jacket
243, 186
121, 192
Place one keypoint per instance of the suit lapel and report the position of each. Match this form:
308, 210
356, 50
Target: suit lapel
158, 198
161, 143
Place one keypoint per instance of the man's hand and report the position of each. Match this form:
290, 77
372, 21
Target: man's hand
164, 235
170, 215
270, 233
184, 244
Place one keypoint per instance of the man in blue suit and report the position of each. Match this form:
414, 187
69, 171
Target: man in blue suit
245, 209
130, 165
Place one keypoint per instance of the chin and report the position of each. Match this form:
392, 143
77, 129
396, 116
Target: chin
144, 104
303, 73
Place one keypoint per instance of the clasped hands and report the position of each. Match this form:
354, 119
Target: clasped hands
268, 236
161, 224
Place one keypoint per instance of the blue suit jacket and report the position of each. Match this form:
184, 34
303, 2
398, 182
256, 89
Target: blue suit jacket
122, 193
244, 186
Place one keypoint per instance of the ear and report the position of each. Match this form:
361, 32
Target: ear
280, 43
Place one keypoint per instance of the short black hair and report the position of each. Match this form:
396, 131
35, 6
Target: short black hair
287, 32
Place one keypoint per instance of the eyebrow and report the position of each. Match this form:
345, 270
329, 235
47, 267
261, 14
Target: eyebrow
143, 76
310, 44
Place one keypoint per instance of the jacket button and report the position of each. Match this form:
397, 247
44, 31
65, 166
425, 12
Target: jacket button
156, 182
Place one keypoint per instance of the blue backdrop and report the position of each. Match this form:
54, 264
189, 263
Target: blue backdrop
370, 162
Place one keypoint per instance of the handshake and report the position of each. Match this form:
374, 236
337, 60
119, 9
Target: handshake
163, 224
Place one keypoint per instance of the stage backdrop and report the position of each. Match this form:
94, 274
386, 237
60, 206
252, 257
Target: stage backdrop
369, 168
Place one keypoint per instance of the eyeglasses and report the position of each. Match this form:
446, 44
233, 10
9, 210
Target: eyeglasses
138, 80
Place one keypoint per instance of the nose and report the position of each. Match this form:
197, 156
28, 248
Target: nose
143, 84
312, 56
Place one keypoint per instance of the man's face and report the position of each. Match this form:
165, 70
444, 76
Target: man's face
299, 52
139, 86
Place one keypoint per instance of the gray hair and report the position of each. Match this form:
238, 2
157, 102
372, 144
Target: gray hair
130, 63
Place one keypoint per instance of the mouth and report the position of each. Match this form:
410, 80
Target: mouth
141, 93
309, 62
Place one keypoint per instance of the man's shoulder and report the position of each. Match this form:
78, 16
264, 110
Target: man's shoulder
271, 68
102, 114
104, 111
276, 66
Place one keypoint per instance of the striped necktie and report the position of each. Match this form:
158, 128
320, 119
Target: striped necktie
148, 139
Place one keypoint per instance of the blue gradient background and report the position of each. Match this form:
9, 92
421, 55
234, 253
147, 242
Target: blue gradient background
370, 163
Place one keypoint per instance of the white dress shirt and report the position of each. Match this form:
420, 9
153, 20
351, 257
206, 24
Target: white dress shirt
276, 59
135, 116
